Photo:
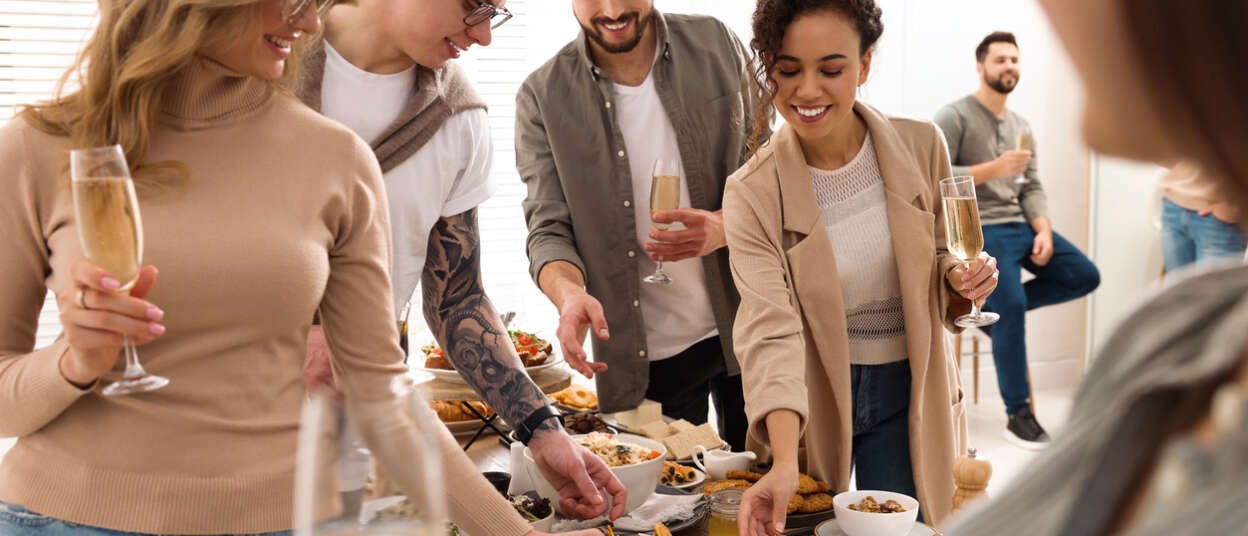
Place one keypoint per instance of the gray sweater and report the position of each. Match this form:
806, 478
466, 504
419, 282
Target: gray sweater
976, 135
1168, 355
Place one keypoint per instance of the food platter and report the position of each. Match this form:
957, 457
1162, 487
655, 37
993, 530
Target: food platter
453, 376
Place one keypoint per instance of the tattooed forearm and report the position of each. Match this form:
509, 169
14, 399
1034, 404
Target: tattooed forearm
466, 324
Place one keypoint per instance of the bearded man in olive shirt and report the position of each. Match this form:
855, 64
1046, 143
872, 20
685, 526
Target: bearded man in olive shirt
636, 86
984, 142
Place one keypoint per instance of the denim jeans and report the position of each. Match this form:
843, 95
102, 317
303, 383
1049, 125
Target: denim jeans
1187, 237
881, 448
18, 521
1067, 276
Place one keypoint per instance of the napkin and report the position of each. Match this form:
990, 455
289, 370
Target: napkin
659, 508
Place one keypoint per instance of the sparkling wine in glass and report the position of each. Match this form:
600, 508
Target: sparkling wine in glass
394, 488
964, 237
1022, 142
664, 195
110, 229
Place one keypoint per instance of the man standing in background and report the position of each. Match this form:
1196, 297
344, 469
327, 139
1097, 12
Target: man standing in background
634, 87
996, 146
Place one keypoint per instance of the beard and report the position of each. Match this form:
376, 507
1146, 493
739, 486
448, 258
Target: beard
640, 24
1000, 86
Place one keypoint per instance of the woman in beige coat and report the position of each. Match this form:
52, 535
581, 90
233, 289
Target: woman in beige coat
836, 239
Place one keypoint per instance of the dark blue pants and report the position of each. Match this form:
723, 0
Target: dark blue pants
1068, 275
18, 521
881, 449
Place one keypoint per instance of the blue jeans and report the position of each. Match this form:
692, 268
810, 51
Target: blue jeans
1068, 275
18, 521
1187, 237
881, 448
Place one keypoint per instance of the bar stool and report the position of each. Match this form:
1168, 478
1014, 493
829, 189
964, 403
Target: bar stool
976, 335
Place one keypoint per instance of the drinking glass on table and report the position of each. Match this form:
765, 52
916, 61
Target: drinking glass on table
964, 237
1022, 142
110, 229
343, 489
664, 195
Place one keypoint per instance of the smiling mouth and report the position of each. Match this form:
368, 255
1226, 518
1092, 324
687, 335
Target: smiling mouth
810, 111
279, 42
456, 47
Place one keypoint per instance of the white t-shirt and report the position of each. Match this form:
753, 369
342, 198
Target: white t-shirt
676, 315
449, 175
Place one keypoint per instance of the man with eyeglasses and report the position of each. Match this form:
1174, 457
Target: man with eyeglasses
634, 87
384, 70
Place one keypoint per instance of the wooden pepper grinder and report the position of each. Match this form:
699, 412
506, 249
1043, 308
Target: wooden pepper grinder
971, 477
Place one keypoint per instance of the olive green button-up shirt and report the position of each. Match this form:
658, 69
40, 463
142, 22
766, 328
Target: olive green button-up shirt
571, 155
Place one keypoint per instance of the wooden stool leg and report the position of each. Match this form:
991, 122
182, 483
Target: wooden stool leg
1031, 400
975, 364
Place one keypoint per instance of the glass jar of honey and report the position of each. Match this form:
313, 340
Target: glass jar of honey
724, 506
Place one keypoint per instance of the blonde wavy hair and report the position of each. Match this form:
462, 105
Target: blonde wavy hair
138, 48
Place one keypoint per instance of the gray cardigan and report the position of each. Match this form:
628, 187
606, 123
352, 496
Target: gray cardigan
1169, 353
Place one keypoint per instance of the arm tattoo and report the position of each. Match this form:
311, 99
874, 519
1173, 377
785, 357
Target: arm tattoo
466, 324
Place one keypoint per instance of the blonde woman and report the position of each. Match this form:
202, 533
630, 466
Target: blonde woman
836, 240
258, 212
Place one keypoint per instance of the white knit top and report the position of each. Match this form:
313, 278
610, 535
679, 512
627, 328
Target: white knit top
851, 200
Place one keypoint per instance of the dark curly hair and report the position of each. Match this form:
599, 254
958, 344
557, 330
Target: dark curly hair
771, 19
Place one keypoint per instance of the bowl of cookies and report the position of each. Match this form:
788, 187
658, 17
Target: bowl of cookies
875, 512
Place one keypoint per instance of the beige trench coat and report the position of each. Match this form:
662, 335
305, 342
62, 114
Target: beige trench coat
790, 331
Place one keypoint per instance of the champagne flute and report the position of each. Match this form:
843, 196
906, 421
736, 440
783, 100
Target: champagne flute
396, 488
664, 195
964, 237
106, 213
1022, 142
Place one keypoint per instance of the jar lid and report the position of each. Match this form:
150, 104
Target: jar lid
726, 501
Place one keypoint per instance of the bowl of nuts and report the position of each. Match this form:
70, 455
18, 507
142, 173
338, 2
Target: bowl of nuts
875, 513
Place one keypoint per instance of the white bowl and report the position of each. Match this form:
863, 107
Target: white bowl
856, 523
546, 523
639, 479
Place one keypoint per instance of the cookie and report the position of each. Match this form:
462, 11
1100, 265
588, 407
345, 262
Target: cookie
823, 487
795, 504
726, 484
744, 475
805, 484
816, 502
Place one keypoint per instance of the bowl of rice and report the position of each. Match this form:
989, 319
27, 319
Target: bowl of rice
635, 460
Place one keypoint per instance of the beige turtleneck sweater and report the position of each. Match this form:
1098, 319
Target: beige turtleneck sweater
284, 214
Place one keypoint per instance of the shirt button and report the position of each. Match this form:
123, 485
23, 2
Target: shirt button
628, 204
642, 353
621, 153
636, 303
632, 253
608, 105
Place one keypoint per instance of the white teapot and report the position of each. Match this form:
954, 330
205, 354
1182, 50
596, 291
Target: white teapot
716, 463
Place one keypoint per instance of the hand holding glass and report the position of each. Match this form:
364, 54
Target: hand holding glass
664, 195
1022, 143
964, 237
106, 213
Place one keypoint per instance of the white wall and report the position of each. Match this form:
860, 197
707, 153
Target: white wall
1127, 239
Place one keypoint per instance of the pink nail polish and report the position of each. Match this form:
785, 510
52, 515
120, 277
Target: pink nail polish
156, 329
154, 313
110, 283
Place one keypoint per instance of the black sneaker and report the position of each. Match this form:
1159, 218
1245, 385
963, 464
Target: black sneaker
1024, 431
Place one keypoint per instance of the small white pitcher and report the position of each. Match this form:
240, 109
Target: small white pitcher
718, 462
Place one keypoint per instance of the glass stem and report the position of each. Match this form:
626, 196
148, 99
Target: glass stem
133, 368
974, 303
658, 269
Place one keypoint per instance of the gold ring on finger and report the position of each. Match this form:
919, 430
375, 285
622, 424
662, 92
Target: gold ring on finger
80, 298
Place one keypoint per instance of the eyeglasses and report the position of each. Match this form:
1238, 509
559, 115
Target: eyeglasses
486, 11
293, 10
